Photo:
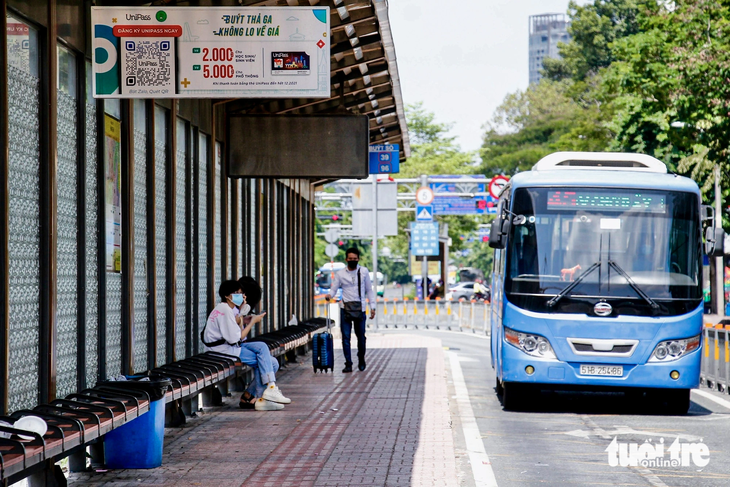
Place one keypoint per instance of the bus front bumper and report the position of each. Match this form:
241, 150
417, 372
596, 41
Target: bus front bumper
555, 372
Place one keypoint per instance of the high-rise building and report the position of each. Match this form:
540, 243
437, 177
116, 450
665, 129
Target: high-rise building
546, 31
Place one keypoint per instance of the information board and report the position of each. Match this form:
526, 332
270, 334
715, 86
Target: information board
424, 238
479, 204
455, 205
211, 52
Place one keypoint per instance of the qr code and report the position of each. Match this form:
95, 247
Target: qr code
148, 64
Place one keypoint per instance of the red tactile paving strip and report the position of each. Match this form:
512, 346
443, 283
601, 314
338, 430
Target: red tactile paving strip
355, 429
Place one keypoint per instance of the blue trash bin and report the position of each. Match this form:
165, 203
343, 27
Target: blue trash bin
138, 444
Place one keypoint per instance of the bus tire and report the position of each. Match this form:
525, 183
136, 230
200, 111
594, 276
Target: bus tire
513, 396
498, 387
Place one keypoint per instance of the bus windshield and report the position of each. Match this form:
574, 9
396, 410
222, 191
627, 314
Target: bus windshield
630, 244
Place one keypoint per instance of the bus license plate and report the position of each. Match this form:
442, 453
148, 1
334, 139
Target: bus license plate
609, 370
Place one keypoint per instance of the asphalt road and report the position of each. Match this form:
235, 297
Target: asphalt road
566, 439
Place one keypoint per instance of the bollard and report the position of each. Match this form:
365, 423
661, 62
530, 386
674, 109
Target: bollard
471, 316
705, 365
727, 359
448, 312
425, 313
404, 312
461, 308
484, 313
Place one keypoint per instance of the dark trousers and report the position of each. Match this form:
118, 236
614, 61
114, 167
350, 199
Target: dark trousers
346, 328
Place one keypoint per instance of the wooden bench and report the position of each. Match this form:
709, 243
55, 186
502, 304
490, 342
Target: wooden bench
81, 419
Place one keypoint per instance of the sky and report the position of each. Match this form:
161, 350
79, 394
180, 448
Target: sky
462, 57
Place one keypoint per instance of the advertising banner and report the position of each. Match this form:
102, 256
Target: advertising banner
112, 193
211, 52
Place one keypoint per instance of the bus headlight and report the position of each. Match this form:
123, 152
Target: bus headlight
535, 345
669, 350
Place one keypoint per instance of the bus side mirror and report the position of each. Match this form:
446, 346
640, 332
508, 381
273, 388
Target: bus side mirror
498, 233
714, 242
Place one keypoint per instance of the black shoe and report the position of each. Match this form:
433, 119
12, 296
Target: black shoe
245, 402
361, 365
347, 369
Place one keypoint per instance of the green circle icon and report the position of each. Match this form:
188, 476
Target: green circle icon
161, 16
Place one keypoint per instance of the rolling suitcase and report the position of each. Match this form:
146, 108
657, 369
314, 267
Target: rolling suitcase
323, 356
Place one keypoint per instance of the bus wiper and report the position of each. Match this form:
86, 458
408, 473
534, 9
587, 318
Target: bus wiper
572, 285
633, 285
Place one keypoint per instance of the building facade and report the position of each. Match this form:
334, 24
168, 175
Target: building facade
546, 31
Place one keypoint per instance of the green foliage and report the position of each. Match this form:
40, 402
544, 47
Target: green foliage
547, 116
593, 29
647, 76
672, 89
432, 150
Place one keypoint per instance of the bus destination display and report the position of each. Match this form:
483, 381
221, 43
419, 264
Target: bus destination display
612, 201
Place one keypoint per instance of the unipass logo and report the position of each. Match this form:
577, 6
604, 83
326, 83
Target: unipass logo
106, 60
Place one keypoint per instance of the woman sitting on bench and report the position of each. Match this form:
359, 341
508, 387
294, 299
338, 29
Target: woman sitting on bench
225, 332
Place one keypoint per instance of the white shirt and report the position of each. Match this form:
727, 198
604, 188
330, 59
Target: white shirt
222, 324
347, 280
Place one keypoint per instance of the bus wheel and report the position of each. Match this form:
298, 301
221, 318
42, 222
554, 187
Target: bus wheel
677, 401
513, 396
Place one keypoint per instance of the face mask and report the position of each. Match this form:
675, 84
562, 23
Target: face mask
245, 309
237, 299
352, 264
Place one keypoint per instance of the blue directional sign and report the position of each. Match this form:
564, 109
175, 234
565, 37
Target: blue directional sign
424, 213
424, 238
443, 204
385, 159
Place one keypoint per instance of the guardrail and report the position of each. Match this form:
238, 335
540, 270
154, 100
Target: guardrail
462, 315
715, 372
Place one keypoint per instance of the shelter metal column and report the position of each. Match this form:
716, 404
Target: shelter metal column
4, 204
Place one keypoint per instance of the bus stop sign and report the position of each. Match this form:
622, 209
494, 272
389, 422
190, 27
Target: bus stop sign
385, 159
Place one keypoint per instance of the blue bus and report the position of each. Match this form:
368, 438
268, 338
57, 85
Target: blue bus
597, 279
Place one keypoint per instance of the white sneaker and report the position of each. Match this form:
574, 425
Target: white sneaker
264, 405
273, 394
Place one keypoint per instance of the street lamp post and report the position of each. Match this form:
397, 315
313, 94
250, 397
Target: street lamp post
719, 264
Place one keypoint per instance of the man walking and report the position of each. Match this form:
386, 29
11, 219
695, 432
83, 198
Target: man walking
355, 283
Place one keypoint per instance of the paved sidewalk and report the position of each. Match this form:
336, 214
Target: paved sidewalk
389, 425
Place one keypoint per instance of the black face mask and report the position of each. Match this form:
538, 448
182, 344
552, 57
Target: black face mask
352, 264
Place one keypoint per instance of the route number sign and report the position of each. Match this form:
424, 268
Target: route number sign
385, 159
424, 195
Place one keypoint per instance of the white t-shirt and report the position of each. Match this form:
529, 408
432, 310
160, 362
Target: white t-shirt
222, 324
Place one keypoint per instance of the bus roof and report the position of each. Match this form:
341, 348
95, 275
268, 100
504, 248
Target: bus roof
600, 161
547, 174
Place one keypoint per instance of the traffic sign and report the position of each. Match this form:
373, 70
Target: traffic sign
496, 185
424, 195
384, 159
332, 250
424, 213
424, 238
331, 235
